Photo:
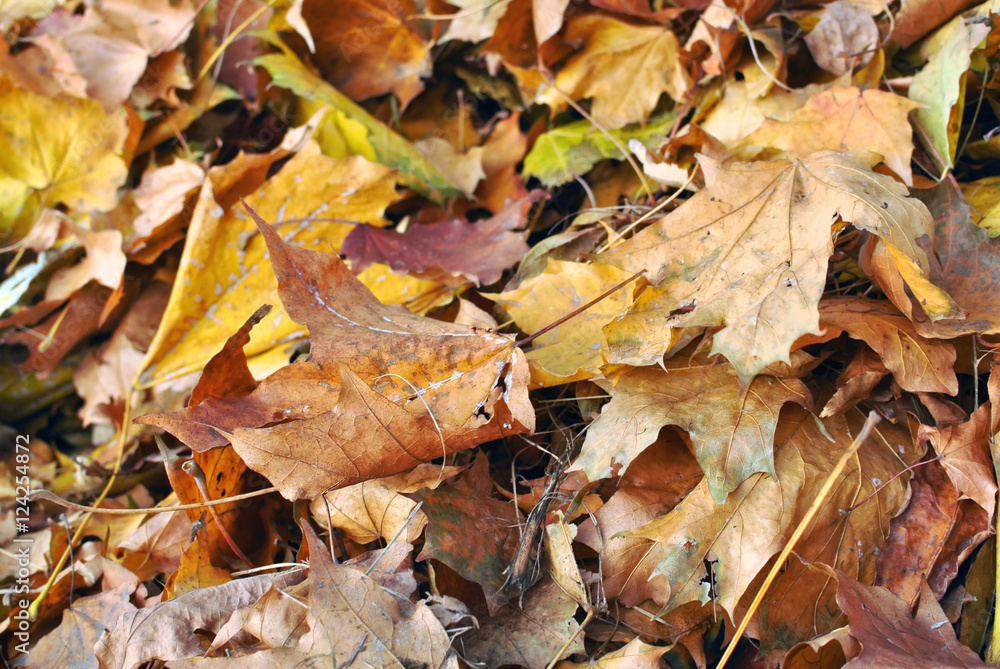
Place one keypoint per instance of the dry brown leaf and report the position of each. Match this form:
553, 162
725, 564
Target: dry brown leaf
965, 455
167, 631
481, 556
893, 634
370, 48
460, 386
530, 636
918, 364
918, 534
751, 250
739, 537
657, 480
731, 427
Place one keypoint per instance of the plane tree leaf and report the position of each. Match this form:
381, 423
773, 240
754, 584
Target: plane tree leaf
750, 251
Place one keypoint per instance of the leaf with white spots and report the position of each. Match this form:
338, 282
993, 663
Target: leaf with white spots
383, 389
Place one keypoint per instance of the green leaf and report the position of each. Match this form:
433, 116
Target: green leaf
571, 150
391, 149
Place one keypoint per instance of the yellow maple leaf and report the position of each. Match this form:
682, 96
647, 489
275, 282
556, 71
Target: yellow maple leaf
624, 68
67, 147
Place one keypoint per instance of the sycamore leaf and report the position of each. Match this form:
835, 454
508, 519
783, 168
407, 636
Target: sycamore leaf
624, 68
739, 537
845, 118
571, 150
67, 147
750, 251
731, 427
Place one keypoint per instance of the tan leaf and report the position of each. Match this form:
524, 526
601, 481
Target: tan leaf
731, 427
844, 38
844, 118
739, 537
751, 250
624, 68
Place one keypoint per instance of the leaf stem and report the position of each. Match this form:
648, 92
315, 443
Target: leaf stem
576, 312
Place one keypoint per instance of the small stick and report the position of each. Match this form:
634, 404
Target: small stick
866, 430
576, 312
192, 469
52, 497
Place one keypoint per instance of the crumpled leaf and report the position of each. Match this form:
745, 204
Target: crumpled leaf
167, 631
918, 364
446, 250
459, 386
731, 427
475, 20
965, 263
751, 250
225, 271
624, 68
738, 538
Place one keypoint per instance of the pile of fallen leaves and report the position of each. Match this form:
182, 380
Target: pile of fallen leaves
499, 332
